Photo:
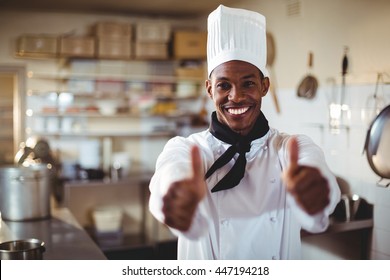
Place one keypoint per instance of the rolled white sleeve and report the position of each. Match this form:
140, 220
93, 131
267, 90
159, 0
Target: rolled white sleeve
174, 164
311, 155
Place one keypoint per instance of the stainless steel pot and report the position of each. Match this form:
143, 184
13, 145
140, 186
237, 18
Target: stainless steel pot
28, 249
24, 192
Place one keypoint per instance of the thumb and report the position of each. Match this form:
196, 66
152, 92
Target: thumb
196, 163
293, 151
197, 168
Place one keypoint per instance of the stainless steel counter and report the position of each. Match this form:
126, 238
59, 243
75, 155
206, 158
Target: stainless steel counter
64, 238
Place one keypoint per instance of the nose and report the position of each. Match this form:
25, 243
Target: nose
235, 95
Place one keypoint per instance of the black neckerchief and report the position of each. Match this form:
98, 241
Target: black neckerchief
239, 144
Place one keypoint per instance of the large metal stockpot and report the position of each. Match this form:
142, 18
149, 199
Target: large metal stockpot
25, 192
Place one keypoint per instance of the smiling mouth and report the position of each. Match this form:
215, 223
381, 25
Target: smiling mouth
237, 111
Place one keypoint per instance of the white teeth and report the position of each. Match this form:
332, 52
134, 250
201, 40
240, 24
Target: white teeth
238, 111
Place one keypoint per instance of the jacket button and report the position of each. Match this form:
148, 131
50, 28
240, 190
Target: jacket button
273, 219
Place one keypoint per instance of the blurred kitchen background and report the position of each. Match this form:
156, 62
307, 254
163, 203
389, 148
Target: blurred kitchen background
96, 88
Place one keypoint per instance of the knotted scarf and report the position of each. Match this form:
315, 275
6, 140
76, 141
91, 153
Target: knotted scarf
240, 144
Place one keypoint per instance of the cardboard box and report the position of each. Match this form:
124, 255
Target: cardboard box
156, 32
77, 46
151, 50
113, 30
37, 45
191, 72
115, 48
190, 45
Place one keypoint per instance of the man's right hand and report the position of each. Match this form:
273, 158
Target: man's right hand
183, 197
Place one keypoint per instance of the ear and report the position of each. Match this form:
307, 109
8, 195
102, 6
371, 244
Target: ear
265, 86
208, 88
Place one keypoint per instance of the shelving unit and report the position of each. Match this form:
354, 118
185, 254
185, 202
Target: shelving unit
73, 103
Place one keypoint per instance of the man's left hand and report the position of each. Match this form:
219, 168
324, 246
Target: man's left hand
306, 184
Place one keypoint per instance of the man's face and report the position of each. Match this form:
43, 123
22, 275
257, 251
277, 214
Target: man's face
237, 87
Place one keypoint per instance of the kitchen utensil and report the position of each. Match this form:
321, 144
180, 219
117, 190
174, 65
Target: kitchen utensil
344, 70
37, 151
377, 144
25, 192
374, 103
27, 249
308, 86
270, 62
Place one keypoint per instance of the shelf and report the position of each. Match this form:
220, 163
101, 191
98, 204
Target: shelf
152, 134
97, 115
96, 95
140, 101
111, 77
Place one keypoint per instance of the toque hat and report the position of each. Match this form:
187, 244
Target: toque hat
236, 34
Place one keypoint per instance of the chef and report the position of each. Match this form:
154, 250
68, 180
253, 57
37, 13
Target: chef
241, 189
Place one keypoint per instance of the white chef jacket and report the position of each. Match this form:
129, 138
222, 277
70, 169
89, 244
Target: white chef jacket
257, 219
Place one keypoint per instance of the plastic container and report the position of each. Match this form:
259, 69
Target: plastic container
107, 218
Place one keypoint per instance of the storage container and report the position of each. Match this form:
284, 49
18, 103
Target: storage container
151, 50
112, 29
109, 88
37, 45
107, 218
190, 45
186, 89
113, 48
77, 46
153, 31
81, 86
191, 72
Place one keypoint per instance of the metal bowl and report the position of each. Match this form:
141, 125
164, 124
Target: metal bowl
27, 249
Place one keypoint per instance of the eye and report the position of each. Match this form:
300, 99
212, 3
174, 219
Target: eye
223, 86
248, 84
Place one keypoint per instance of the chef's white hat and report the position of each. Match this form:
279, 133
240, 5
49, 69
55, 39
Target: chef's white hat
236, 34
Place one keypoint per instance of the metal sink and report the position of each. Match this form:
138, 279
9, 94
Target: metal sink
352, 208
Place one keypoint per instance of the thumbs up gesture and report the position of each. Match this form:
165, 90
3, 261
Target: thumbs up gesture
306, 184
183, 197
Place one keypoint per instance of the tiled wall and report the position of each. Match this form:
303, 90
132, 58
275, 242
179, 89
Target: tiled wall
343, 151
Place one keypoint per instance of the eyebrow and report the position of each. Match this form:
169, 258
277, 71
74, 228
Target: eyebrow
242, 78
248, 76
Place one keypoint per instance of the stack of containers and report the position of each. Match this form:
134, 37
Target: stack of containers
152, 40
113, 40
190, 47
